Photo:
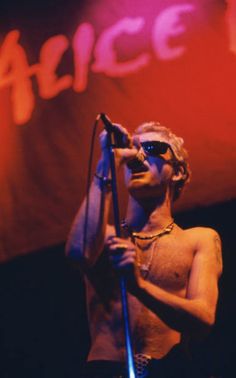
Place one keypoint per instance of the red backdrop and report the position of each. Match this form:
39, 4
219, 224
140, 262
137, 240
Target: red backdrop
60, 66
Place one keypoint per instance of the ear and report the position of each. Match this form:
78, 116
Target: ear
178, 174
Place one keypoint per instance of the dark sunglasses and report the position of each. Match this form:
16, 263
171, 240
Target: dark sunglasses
156, 148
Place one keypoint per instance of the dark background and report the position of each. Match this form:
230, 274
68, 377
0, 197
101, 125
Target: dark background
43, 324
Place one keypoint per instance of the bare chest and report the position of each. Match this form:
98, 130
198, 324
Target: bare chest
165, 262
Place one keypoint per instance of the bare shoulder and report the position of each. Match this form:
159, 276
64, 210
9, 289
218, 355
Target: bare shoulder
201, 236
206, 242
202, 233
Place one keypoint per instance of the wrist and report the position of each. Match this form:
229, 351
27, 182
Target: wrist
103, 167
103, 182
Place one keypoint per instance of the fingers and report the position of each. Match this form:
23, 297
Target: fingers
122, 252
116, 242
122, 137
124, 149
120, 261
126, 154
123, 134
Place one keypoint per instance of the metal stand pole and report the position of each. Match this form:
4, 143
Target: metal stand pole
125, 311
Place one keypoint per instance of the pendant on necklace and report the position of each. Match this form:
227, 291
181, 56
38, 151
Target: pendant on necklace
144, 270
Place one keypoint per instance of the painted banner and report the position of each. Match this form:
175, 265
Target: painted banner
63, 63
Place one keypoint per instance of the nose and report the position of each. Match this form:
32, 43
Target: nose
142, 152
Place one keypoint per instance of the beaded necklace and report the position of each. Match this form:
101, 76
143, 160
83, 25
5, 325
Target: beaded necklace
145, 267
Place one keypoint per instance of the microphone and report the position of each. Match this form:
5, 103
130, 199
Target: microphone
121, 139
136, 164
107, 122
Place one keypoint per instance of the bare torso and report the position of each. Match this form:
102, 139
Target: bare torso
171, 258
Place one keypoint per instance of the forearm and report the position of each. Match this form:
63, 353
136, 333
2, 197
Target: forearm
87, 234
181, 314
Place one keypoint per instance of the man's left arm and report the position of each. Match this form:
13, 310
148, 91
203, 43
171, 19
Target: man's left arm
196, 312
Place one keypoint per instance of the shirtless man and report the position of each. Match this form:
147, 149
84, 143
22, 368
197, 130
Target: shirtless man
172, 274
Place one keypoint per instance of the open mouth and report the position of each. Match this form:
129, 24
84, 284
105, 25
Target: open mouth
137, 166
138, 171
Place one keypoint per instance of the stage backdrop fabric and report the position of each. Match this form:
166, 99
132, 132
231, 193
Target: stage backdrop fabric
63, 63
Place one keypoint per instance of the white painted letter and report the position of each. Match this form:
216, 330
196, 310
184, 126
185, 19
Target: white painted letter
83, 42
168, 25
105, 55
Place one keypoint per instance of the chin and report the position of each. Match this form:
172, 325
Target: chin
139, 190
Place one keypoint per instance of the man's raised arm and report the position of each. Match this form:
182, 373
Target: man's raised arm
85, 245
99, 203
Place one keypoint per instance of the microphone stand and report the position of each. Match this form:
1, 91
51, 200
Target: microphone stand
123, 289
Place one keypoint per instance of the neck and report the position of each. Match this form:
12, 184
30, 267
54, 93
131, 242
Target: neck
149, 215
